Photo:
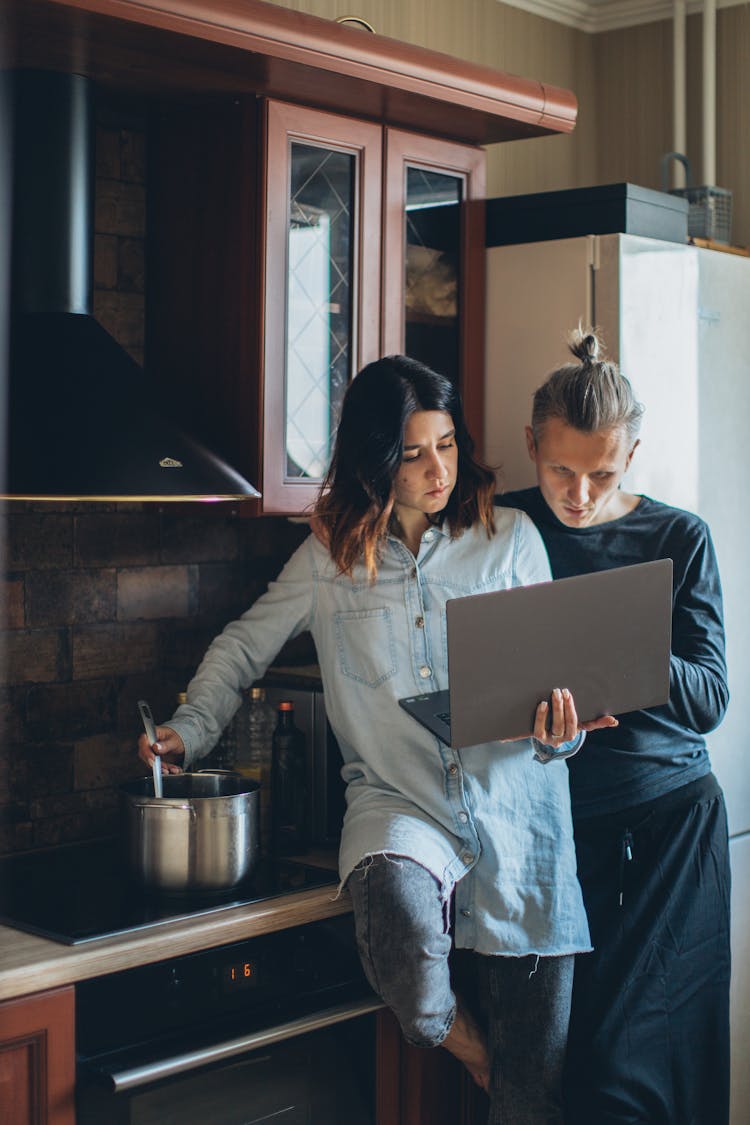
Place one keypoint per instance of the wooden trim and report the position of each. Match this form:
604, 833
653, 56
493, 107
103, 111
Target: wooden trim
431, 1087
387, 1068
473, 303
468, 163
37, 1058
285, 123
709, 244
250, 45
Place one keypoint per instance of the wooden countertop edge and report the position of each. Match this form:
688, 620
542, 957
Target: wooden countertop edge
30, 964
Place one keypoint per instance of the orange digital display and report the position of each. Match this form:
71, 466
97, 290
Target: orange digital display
239, 974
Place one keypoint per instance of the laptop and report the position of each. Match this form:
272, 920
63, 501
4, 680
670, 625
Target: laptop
606, 636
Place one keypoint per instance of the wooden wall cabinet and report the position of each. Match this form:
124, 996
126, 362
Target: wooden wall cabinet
433, 260
37, 1061
283, 240
221, 162
321, 219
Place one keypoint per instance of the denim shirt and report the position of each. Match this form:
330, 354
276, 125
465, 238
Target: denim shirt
492, 821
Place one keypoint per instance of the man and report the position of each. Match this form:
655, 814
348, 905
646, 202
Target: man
649, 1036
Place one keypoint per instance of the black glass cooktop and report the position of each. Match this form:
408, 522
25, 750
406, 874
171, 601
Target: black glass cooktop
79, 892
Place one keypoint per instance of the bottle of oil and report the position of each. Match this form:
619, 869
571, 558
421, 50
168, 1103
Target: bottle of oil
288, 785
254, 754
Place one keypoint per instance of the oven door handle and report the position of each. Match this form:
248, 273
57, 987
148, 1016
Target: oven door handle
132, 1078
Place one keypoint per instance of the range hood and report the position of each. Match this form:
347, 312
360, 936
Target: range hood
84, 420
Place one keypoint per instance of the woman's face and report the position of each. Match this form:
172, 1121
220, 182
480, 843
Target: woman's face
579, 473
428, 471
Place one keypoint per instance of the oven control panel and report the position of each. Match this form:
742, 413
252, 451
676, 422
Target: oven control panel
247, 984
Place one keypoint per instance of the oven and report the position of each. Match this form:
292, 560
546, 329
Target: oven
277, 1028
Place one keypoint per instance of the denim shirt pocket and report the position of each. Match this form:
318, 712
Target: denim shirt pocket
366, 645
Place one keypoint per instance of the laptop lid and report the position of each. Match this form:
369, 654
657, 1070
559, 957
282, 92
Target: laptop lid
605, 635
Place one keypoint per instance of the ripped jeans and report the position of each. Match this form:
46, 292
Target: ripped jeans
404, 940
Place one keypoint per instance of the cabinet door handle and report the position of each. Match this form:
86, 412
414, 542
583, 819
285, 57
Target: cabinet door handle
132, 1078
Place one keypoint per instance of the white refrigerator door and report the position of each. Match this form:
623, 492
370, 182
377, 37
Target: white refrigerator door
642, 296
676, 319
646, 297
724, 401
536, 293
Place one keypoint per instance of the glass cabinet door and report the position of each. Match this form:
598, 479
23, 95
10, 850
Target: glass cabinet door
432, 268
434, 260
322, 288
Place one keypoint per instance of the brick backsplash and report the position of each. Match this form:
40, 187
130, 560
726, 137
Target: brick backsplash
105, 604
88, 637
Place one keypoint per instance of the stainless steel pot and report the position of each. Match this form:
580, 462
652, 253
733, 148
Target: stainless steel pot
202, 835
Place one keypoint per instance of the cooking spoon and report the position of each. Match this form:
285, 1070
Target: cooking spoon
148, 725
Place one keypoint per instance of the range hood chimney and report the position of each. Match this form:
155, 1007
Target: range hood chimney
82, 420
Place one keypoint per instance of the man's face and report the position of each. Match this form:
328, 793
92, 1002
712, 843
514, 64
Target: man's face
579, 473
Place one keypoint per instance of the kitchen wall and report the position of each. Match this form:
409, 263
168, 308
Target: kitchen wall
633, 82
108, 603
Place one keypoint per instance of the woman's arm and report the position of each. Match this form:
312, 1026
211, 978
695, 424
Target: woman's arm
239, 656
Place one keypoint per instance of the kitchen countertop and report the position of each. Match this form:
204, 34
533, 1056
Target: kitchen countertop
30, 964
306, 677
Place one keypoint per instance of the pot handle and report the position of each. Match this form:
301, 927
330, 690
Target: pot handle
226, 773
166, 804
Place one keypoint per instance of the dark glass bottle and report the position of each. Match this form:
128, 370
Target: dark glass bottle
288, 785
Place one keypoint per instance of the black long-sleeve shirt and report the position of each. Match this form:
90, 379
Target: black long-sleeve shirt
655, 751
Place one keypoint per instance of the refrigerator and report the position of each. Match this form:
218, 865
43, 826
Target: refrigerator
676, 318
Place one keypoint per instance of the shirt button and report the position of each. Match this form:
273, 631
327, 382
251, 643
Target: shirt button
428, 535
466, 913
467, 858
425, 672
463, 817
413, 572
452, 769
419, 622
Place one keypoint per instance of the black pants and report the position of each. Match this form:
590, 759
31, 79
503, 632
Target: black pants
649, 1034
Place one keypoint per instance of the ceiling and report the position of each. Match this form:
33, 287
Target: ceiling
607, 15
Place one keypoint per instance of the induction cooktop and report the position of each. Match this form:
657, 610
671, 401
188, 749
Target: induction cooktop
79, 892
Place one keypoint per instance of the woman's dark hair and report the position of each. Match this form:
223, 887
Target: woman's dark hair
591, 395
355, 503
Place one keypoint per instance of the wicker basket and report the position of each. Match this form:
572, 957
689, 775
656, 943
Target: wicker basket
710, 208
709, 213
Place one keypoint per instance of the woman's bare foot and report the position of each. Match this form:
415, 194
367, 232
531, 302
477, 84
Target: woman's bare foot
466, 1041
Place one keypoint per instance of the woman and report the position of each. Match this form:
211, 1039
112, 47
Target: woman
407, 520
649, 1036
